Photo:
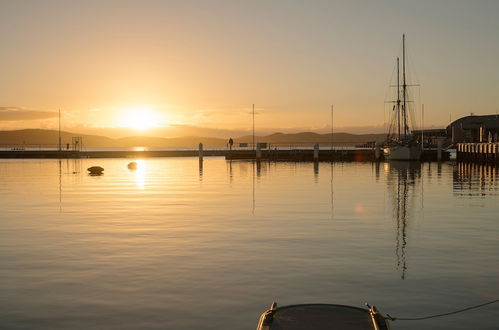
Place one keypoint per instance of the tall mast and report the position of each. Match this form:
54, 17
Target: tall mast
253, 126
398, 97
422, 126
60, 147
332, 108
404, 87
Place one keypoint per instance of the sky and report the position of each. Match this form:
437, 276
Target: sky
147, 67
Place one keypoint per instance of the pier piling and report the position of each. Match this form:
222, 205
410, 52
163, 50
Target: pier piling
316, 152
377, 150
439, 150
258, 152
200, 151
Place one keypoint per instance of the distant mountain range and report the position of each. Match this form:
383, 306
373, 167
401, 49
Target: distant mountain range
39, 137
307, 138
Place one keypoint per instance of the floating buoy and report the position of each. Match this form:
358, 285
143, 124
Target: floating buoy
132, 166
95, 170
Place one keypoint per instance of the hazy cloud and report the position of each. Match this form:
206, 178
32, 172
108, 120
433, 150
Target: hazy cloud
17, 113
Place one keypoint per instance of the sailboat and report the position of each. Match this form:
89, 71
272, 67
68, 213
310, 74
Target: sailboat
400, 144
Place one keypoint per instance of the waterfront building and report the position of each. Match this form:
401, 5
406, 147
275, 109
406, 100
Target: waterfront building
474, 128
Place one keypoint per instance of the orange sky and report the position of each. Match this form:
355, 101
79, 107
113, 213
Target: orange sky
144, 64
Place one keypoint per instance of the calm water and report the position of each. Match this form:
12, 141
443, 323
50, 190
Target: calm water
174, 245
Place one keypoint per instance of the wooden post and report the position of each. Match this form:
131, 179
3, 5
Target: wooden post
439, 150
316, 152
200, 151
258, 152
377, 150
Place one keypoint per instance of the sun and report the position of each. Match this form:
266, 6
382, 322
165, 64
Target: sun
140, 119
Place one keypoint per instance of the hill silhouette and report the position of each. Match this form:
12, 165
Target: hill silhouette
40, 137
307, 138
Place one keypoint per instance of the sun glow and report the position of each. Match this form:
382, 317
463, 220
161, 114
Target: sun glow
140, 119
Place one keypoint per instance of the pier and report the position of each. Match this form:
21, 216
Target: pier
55, 154
353, 154
485, 153
289, 154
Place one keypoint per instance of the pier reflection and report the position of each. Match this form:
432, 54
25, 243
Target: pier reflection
71, 168
316, 172
402, 181
231, 171
200, 170
475, 180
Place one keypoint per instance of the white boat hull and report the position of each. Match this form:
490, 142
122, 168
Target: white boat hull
403, 152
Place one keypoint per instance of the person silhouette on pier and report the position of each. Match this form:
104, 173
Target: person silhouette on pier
231, 142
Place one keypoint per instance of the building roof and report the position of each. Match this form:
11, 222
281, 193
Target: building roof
470, 122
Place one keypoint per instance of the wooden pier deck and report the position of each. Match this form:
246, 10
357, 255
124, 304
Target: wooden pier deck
486, 153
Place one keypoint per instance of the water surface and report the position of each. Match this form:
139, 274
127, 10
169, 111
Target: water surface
178, 244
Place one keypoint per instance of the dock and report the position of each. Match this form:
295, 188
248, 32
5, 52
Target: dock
307, 155
56, 154
484, 153
292, 154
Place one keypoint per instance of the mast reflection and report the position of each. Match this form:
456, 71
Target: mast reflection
254, 190
332, 190
402, 180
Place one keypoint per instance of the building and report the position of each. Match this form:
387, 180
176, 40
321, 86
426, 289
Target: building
431, 136
474, 129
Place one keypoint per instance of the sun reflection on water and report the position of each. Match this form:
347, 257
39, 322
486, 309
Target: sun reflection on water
140, 174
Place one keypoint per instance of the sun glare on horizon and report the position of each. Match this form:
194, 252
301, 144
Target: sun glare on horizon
140, 119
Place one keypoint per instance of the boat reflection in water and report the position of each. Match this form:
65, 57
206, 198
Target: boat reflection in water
403, 179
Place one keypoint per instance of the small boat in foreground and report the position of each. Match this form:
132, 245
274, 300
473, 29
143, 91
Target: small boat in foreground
321, 316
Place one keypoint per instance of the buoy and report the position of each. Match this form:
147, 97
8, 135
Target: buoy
95, 170
132, 166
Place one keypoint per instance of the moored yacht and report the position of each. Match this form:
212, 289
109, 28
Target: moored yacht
400, 145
